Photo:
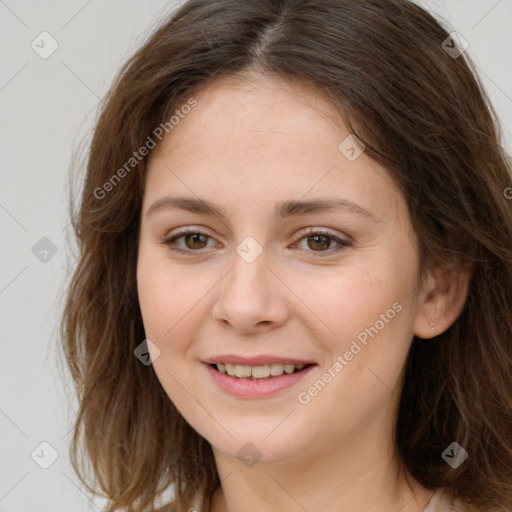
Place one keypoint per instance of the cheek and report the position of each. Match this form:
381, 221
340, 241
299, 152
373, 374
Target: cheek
155, 301
171, 308
157, 294
172, 300
365, 319
347, 301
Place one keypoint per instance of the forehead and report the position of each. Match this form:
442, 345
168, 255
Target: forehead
238, 116
264, 138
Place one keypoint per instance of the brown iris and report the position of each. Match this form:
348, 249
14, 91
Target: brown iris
321, 245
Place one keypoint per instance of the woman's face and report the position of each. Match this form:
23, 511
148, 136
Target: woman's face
252, 287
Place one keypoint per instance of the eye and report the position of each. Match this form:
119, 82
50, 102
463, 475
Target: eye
318, 240
194, 240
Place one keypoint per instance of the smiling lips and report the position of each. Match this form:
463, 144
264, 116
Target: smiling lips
256, 376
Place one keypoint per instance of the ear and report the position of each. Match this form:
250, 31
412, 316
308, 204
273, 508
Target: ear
442, 300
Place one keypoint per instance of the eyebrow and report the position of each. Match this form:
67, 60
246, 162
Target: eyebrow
281, 210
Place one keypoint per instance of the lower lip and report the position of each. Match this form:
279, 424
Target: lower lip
257, 388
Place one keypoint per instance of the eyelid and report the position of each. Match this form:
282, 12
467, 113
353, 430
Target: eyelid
344, 238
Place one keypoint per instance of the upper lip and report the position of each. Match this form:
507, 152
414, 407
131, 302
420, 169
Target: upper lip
255, 360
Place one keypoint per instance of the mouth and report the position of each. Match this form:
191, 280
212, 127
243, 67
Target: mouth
257, 377
262, 372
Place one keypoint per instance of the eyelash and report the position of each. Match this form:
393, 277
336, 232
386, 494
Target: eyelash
170, 242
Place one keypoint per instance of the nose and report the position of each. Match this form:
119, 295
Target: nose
251, 298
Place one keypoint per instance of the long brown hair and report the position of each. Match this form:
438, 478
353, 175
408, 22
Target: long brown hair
423, 114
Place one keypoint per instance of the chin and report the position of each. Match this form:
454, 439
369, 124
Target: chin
258, 440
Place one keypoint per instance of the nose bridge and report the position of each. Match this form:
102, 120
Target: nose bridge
249, 263
248, 295
249, 275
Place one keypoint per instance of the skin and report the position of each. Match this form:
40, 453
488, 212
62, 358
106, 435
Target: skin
246, 146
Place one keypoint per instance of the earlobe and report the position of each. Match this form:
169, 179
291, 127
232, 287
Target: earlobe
442, 301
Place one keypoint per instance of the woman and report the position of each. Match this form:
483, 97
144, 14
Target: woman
295, 278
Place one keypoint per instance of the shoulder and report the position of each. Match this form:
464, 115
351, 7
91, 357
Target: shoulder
442, 502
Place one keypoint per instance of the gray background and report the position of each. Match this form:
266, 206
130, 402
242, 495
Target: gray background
47, 107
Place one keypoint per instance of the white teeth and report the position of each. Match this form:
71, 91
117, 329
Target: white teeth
242, 370
276, 369
261, 372
257, 372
